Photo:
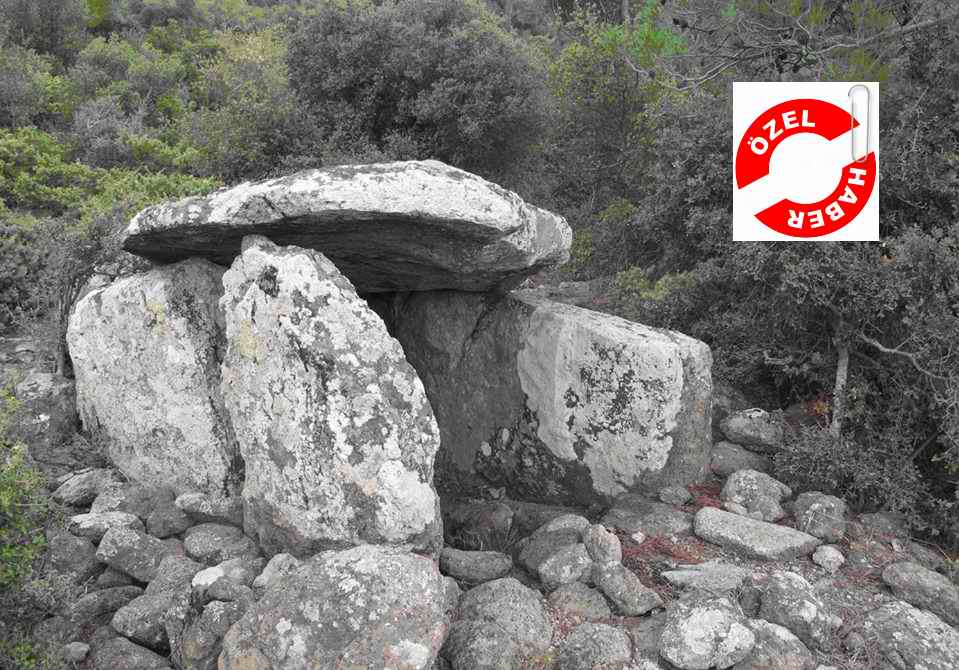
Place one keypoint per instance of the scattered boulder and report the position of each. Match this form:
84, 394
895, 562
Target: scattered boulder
704, 631
629, 596
352, 436
752, 538
570, 563
228, 581
603, 546
46, 412
82, 488
478, 525
821, 515
570, 522
202, 508
146, 353
675, 495
369, 607
474, 567
541, 545
111, 577
120, 654
712, 576
167, 520
71, 556
213, 543
634, 513
908, 638
925, 589
528, 517
725, 401
412, 225
141, 620
828, 557
581, 601
728, 458
755, 429
758, 494
132, 552
92, 605
174, 574
592, 645
75, 652
280, 566
132, 498
565, 412
94, 526
790, 601
203, 640
775, 647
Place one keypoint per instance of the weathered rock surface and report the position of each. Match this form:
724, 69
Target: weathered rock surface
704, 631
146, 352
174, 574
141, 620
474, 567
335, 429
71, 556
775, 648
213, 543
132, 552
557, 403
82, 488
132, 498
752, 538
97, 603
369, 607
202, 641
910, 638
414, 225
828, 557
728, 458
755, 429
757, 493
569, 564
790, 601
925, 589
629, 596
821, 515
46, 412
202, 508
603, 546
167, 520
278, 567
712, 576
120, 654
579, 600
592, 645
478, 525
94, 526
637, 514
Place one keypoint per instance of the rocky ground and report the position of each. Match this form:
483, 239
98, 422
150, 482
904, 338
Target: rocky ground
734, 572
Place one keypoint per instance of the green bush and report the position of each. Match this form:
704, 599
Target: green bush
21, 258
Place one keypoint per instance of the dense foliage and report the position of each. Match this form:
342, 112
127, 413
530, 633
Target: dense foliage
615, 114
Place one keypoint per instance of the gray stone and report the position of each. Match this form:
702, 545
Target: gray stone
96, 603
821, 515
569, 564
581, 601
111, 577
71, 556
167, 520
146, 353
174, 574
541, 546
280, 566
75, 652
369, 607
790, 601
728, 458
213, 543
881, 525
912, 639
571, 522
925, 589
132, 552
725, 400
624, 590
474, 567
228, 581
478, 525
350, 431
645, 633
82, 488
592, 405
592, 645
132, 498
413, 225
46, 413
517, 609
755, 429
634, 513
141, 620
94, 526
752, 538
758, 493
121, 654
202, 641
528, 517
712, 576
206, 509
704, 631
828, 557
482, 645
675, 495
775, 648
603, 546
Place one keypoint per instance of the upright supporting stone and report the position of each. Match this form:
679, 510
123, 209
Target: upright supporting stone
333, 424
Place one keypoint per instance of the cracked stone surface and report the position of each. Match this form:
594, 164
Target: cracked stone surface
334, 426
146, 352
413, 225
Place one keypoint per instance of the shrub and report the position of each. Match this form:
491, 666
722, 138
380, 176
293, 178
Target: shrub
20, 261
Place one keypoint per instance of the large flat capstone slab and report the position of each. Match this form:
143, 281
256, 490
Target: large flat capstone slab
556, 403
412, 225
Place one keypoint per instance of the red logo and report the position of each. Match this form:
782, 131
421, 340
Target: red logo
805, 115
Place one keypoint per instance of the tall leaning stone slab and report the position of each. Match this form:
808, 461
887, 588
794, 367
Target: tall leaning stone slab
557, 403
333, 423
146, 351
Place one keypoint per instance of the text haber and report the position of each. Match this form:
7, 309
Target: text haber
834, 210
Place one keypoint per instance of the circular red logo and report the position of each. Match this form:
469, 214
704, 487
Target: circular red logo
805, 219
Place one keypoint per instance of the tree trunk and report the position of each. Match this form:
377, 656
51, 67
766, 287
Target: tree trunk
626, 13
842, 376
